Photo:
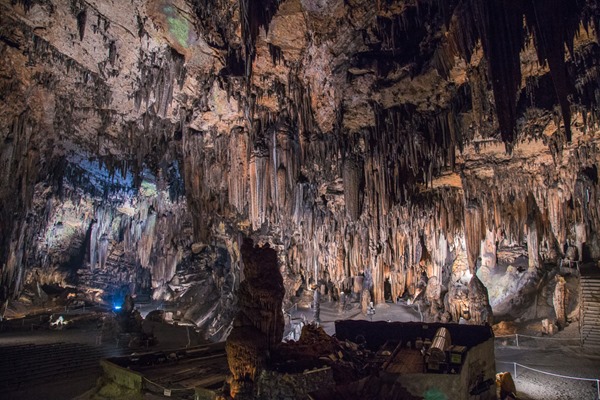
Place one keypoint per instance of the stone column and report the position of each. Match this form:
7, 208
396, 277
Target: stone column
580, 239
559, 302
533, 245
479, 303
259, 323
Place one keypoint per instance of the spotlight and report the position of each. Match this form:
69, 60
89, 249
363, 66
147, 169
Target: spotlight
117, 307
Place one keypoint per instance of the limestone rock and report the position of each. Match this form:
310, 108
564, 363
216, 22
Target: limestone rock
352, 136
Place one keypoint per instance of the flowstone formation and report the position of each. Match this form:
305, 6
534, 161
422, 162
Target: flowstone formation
388, 139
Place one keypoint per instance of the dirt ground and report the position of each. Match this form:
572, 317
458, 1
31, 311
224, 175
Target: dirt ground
559, 355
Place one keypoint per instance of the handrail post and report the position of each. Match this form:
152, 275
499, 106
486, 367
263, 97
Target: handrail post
515, 369
598, 387
517, 337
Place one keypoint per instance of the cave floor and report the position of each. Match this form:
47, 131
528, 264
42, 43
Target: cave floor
560, 355
563, 356
331, 313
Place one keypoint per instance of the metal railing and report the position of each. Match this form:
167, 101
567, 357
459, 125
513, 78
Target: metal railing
515, 365
517, 335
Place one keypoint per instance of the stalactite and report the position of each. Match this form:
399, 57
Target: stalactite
81, 21
474, 233
259, 190
276, 53
255, 15
158, 82
19, 161
549, 21
501, 30
370, 197
353, 187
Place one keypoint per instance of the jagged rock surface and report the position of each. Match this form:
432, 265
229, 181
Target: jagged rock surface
384, 139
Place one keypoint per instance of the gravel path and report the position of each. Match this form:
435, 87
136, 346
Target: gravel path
562, 357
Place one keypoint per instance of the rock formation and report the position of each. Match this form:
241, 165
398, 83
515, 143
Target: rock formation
560, 301
384, 139
259, 323
479, 303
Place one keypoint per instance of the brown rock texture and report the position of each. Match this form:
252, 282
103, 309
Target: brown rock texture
259, 324
386, 139
559, 300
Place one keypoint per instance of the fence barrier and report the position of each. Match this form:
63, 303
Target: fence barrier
515, 365
516, 336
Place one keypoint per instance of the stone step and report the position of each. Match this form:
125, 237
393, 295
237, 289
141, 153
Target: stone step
588, 285
591, 343
588, 330
590, 334
590, 311
591, 300
591, 296
593, 303
590, 321
590, 307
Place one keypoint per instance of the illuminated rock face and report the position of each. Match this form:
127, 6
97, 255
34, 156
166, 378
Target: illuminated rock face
355, 137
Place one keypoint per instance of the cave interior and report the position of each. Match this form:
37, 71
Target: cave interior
243, 168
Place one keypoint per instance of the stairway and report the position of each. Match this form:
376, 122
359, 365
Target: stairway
590, 310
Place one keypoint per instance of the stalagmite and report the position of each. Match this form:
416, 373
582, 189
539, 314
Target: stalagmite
433, 294
559, 301
457, 303
479, 303
259, 323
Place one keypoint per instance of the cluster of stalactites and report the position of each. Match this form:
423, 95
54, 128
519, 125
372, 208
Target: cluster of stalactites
255, 15
546, 217
504, 29
500, 26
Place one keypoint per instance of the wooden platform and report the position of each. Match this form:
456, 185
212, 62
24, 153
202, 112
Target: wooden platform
189, 374
407, 361
205, 366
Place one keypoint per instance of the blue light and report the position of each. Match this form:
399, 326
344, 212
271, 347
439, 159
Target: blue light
117, 307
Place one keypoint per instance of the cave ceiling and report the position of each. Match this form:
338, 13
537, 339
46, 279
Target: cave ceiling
354, 136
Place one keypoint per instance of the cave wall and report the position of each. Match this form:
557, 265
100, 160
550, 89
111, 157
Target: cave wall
386, 140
